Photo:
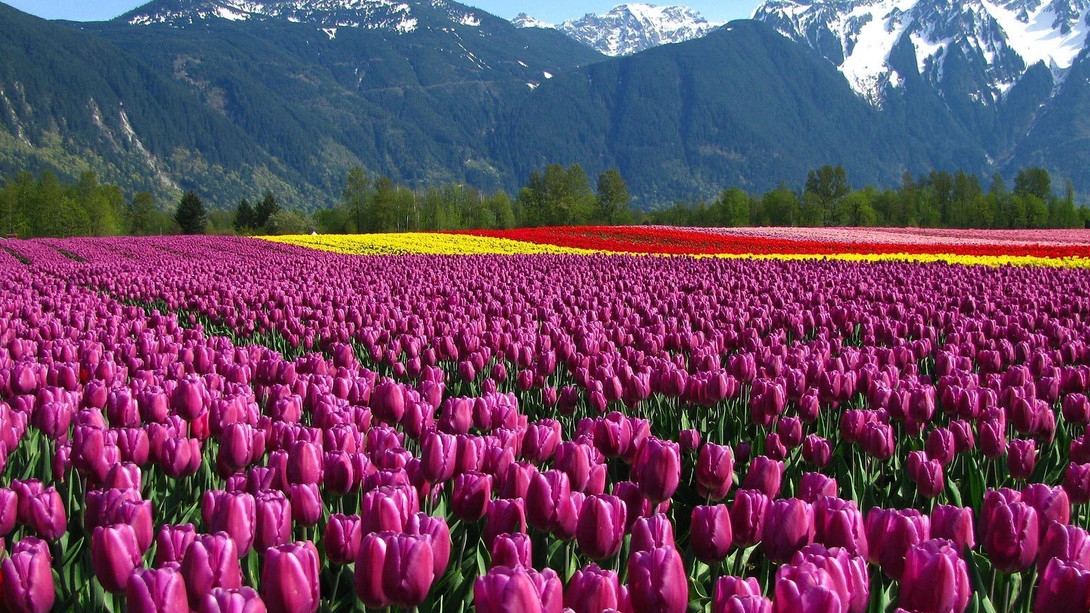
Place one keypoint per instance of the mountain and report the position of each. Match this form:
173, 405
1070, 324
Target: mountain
630, 28
997, 67
741, 106
288, 96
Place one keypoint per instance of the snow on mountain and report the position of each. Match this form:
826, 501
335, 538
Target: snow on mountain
393, 15
525, 21
631, 28
1000, 38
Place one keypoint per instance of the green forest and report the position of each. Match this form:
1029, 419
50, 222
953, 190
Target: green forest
44, 206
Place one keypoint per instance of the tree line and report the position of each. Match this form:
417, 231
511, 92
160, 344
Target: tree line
45, 206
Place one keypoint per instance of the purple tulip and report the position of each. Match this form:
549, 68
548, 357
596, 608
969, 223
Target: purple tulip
1077, 482
237, 600
839, 523
156, 591
1011, 536
747, 516
437, 455
436, 531
815, 486
788, 527
651, 532
289, 579
805, 588
657, 469
890, 534
341, 540
394, 569
953, 523
710, 535
715, 471
764, 475
28, 577
1064, 587
210, 561
471, 496
601, 526
935, 578
877, 440
657, 581
1021, 457
926, 474
1051, 504
306, 503
272, 520
504, 516
941, 446
613, 435
1067, 543
518, 590
233, 513
540, 441
817, 450
114, 555
512, 550
848, 574
592, 589
548, 500
45, 513
993, 437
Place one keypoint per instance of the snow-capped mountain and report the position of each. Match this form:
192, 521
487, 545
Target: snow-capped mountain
993, 42
393, 15
630, 28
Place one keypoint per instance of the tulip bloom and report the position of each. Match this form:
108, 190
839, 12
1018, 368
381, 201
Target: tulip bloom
805, 588
159, 590
815, 486
592, 590
272, 519
548, 502
788, 527
210, 561
1021, 457
839, 523
710, 535
114, 555
512, 550
28, 577
342, 537
747, 517
817, 450
1077, 482
238, 600
764, 475
1051, 504
935, 579
715, 471
600, 529
953, 523
471, 496
1011, 536
504, 516
233, 513
171, 543
394, 569
657, 469
1067, 543
518, 590
890, 534
651, 532
437, 533
289, 579
1064, 587
926, 474
657, 581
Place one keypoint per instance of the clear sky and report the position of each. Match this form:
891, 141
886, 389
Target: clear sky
552, 11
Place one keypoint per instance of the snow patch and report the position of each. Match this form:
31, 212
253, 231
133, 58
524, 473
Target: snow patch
330, 32
548, 75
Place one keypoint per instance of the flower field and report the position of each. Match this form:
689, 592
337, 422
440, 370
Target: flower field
228, 424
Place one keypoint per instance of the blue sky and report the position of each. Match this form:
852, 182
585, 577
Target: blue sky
553, 11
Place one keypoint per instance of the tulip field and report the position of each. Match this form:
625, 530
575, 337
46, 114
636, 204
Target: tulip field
588, 419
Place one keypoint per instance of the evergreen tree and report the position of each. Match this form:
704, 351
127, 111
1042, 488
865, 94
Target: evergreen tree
1034, 181
191, 216
613, 200
265, 210
244, 216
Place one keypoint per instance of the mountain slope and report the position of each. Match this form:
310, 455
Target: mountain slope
630, 28
73, 102
741, 106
